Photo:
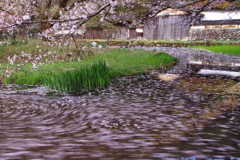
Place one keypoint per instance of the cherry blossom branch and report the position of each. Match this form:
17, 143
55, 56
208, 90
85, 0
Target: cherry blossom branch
90, 16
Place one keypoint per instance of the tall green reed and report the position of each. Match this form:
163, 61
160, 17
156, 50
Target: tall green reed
94, 76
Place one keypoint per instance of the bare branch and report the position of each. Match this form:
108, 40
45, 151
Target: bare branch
6, 11
95, 14
176, 7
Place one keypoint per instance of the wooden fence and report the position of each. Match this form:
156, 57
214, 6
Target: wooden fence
167, 27
121, 32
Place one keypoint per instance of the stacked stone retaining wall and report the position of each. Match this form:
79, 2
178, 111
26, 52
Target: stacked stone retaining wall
133, 43
214, 35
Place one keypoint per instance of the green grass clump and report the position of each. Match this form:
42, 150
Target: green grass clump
97, 75
226, 49
138, 62
27, 77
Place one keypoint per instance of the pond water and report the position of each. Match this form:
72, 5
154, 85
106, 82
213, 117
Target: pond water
135, 118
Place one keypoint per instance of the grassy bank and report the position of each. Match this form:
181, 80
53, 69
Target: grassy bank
227, 49
121, 62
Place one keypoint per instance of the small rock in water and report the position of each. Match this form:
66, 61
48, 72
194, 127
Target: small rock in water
168, 77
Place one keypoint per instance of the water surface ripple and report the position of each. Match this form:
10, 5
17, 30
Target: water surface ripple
135, 118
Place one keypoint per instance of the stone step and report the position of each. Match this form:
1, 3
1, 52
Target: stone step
218, 72
230, 64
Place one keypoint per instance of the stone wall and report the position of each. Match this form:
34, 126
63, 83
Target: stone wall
214, 35
155, 43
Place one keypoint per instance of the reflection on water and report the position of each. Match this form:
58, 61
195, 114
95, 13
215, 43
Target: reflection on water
136, 118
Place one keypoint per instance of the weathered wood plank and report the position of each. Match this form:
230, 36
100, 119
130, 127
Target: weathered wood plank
168, 27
